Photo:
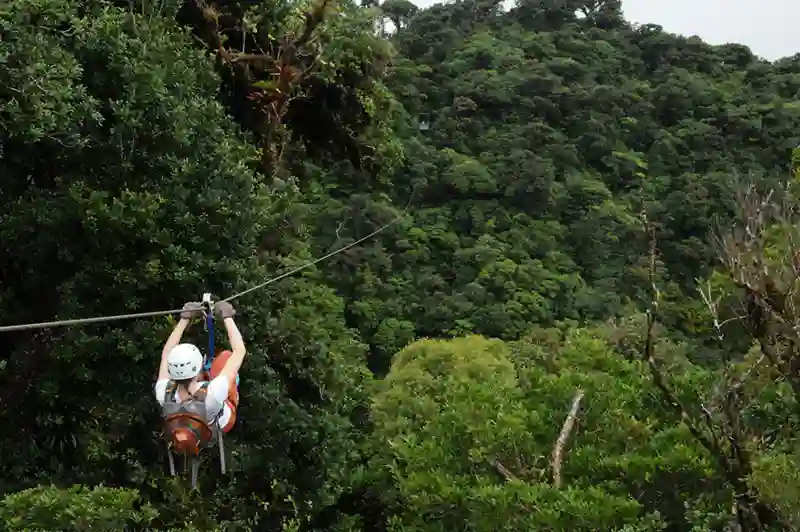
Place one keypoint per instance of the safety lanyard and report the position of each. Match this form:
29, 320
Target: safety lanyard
209, 312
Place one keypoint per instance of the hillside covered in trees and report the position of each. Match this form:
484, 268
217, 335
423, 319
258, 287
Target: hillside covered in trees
584, 319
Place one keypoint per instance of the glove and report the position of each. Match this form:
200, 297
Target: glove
192, 309
224, 310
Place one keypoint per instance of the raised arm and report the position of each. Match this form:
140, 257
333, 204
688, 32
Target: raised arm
226, 312
189, 311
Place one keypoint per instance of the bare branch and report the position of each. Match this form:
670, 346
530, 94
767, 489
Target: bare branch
723, 439
767, 274
710, 443
504, 472
712, 305
561, 442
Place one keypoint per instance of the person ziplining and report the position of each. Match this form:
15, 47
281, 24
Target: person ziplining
199, 394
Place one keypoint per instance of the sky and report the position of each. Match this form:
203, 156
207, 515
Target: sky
768, 27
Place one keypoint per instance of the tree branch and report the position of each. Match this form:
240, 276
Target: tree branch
313, 19
504, 472
561, 442
711, 444
733, 459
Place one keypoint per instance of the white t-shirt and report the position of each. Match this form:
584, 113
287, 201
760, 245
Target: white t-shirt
216, 394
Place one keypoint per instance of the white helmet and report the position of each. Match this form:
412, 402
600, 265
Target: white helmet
185, 361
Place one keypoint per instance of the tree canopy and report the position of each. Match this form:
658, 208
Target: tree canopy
584, 318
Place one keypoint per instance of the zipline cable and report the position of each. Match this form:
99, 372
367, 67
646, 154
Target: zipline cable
84, 321
118, 317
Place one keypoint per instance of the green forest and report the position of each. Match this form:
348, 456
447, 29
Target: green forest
583, 318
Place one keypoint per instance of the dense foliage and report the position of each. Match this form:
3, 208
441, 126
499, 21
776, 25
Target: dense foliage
584, 320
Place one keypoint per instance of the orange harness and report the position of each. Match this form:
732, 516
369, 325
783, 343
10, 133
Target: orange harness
185, 425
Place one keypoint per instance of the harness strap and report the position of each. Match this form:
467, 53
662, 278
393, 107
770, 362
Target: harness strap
172, 387
169, 392
210, 357
201, 393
